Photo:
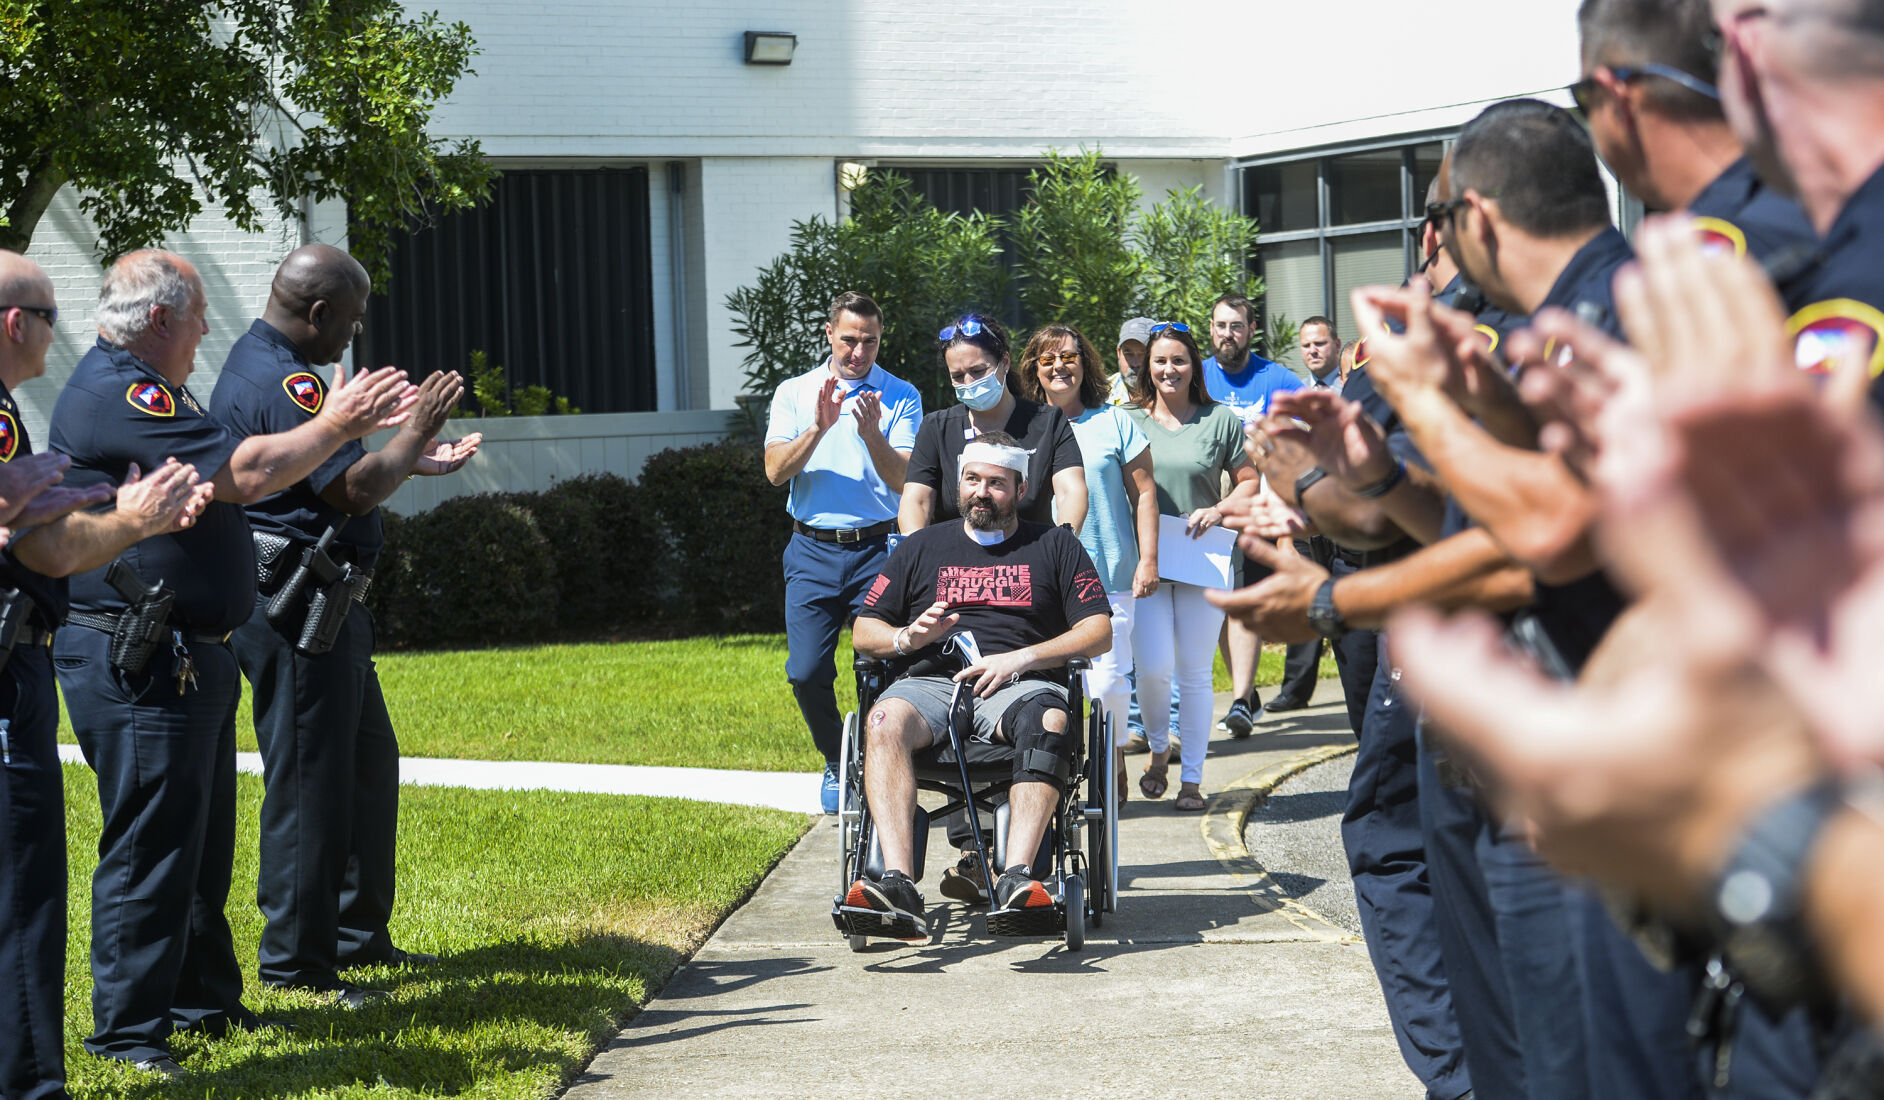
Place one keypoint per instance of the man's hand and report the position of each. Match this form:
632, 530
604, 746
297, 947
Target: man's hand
1419, 361
24, 478
830, 405
1278, 449
438, 395
369, 402
930, 627
993, 673
60, 500
868, 412
1262, 516
1276, 607
1346, 441
1581, 385
1145, 577
167, 499
447, 455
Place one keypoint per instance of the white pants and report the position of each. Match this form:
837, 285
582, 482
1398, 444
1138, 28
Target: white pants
1106, 684
1175, 636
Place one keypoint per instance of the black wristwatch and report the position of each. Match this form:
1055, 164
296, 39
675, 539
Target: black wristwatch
1307, 481
1322, 614
1758, 900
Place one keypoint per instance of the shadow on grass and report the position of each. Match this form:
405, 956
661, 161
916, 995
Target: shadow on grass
503, 1009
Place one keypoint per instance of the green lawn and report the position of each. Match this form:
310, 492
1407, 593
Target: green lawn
558, 915
693, 702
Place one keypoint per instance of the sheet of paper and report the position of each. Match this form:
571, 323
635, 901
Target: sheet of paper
1204, 561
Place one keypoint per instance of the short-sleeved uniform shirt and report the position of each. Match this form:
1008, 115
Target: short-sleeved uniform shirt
1740, 214
49, 594
1837, 294
267, 387
1247, 391
1041, 429
1108, 439
1034, 586
839, 488
1188, 464
116, 410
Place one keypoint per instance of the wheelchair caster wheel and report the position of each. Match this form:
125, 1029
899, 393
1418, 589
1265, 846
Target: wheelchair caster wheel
1075, 913
857, 942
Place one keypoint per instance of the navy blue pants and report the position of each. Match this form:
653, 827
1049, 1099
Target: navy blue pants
330, 809
1356, 656
162, 956
32, 881
825, 584
1635, 1015
1380, 829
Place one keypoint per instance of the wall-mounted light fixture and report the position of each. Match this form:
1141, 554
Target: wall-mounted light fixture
770, 47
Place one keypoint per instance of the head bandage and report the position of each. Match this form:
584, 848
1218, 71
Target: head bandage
995, 454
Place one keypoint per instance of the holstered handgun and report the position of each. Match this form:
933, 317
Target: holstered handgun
141, 626
329, 587
15, 605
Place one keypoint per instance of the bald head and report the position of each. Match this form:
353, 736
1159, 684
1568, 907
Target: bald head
25, 334
23, 282
317, 300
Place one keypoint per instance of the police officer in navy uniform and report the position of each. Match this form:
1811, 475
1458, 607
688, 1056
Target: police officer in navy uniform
157, 724
48, 543
330, 759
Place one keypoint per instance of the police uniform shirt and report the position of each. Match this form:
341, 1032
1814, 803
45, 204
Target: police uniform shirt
266, 388
48, 593
1740, 214
1837, 298
116, 410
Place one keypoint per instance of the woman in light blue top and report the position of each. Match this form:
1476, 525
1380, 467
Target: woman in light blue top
1061, 367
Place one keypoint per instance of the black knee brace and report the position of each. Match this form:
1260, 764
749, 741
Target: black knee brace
1040, 754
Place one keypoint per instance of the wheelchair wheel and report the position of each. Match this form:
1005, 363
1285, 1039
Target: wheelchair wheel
1075, 899
849, 768
1101, 812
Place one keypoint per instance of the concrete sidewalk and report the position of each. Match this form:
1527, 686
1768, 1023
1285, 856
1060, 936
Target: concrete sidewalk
1208, 982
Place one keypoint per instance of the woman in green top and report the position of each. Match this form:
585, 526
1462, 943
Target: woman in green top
1194, 442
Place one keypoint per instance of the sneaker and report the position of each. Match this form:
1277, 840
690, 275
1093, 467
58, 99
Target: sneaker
159, 1067
894, 895
828, 793
1239, 721
1017, 888
964, 882
1277, 706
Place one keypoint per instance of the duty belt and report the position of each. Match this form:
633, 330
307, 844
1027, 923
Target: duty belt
109, 624
844, 535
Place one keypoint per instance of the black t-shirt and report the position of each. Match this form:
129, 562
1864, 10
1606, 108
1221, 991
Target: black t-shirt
267, 388
1032, 587
47, 593
115, 410
1042, 429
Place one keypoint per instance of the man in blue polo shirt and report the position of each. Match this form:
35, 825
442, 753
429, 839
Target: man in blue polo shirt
841, 434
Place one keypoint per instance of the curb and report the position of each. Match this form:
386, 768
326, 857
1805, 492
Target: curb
1226, 813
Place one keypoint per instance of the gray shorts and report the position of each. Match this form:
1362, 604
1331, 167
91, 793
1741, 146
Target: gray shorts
930, 696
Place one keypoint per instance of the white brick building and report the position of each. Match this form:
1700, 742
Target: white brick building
1319, 118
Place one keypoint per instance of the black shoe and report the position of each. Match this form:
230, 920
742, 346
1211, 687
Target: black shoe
165, 1066
896, 898
1017, 888
1278, 705
411, 959
1240, 721
965, 882
358, 997
218, 1026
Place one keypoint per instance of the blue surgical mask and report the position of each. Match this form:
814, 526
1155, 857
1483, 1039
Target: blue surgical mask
983, 393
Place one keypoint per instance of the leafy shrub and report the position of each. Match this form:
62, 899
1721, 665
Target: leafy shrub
492, 395
727, 528
610, 555
1070, 241
475, 570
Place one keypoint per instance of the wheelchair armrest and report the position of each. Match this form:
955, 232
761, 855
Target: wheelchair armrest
865, 663
1078, 664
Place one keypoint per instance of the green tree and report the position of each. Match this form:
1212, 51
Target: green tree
921, 265
1191, 251
1070, 241
149, 106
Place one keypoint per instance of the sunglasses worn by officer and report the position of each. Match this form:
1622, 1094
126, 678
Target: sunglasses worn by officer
1584, 91
48, 314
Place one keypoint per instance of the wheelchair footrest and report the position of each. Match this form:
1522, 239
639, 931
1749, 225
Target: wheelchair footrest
853, 920
1039, 921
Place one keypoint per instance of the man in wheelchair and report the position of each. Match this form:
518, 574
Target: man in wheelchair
1032, 600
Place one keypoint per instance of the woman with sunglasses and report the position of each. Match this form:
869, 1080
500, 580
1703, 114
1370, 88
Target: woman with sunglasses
974, 352
1194, 442
1061, 368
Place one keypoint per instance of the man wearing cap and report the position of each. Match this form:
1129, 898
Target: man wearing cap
1134, 340
841, 434
1032, 598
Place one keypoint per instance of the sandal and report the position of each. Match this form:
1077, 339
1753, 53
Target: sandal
1190, 799
1153, 783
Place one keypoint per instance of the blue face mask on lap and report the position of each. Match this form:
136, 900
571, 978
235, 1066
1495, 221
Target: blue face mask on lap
983, 393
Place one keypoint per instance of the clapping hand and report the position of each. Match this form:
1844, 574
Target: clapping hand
447, 455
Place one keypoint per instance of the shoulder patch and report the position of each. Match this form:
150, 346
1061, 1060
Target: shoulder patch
305, 390
1490, 334
1826, 335
1361, 354
149, 397
1720, 235
9, 435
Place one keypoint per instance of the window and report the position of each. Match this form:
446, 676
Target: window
1332, 222
996, 192
552, 279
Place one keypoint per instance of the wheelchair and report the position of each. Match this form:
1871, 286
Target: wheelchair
1078, 856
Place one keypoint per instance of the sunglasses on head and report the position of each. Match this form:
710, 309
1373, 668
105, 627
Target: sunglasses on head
966, 327
1162, 325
